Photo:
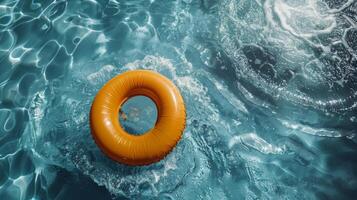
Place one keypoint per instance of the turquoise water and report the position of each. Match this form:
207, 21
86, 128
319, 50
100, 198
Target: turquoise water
138, 115
270, 88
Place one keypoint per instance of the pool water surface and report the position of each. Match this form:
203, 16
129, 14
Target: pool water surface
270, 88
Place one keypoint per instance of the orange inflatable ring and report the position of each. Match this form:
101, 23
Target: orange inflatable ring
155, 144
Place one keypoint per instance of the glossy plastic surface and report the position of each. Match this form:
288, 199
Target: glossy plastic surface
138, 149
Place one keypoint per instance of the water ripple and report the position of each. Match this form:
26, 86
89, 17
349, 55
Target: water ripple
269, 87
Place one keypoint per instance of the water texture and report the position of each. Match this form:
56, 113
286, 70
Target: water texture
270, 88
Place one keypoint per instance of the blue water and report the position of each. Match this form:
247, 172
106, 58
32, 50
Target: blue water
138, 115
270, 88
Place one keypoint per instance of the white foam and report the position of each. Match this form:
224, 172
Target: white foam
310, 130
252, 140
305, 19
104, 72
